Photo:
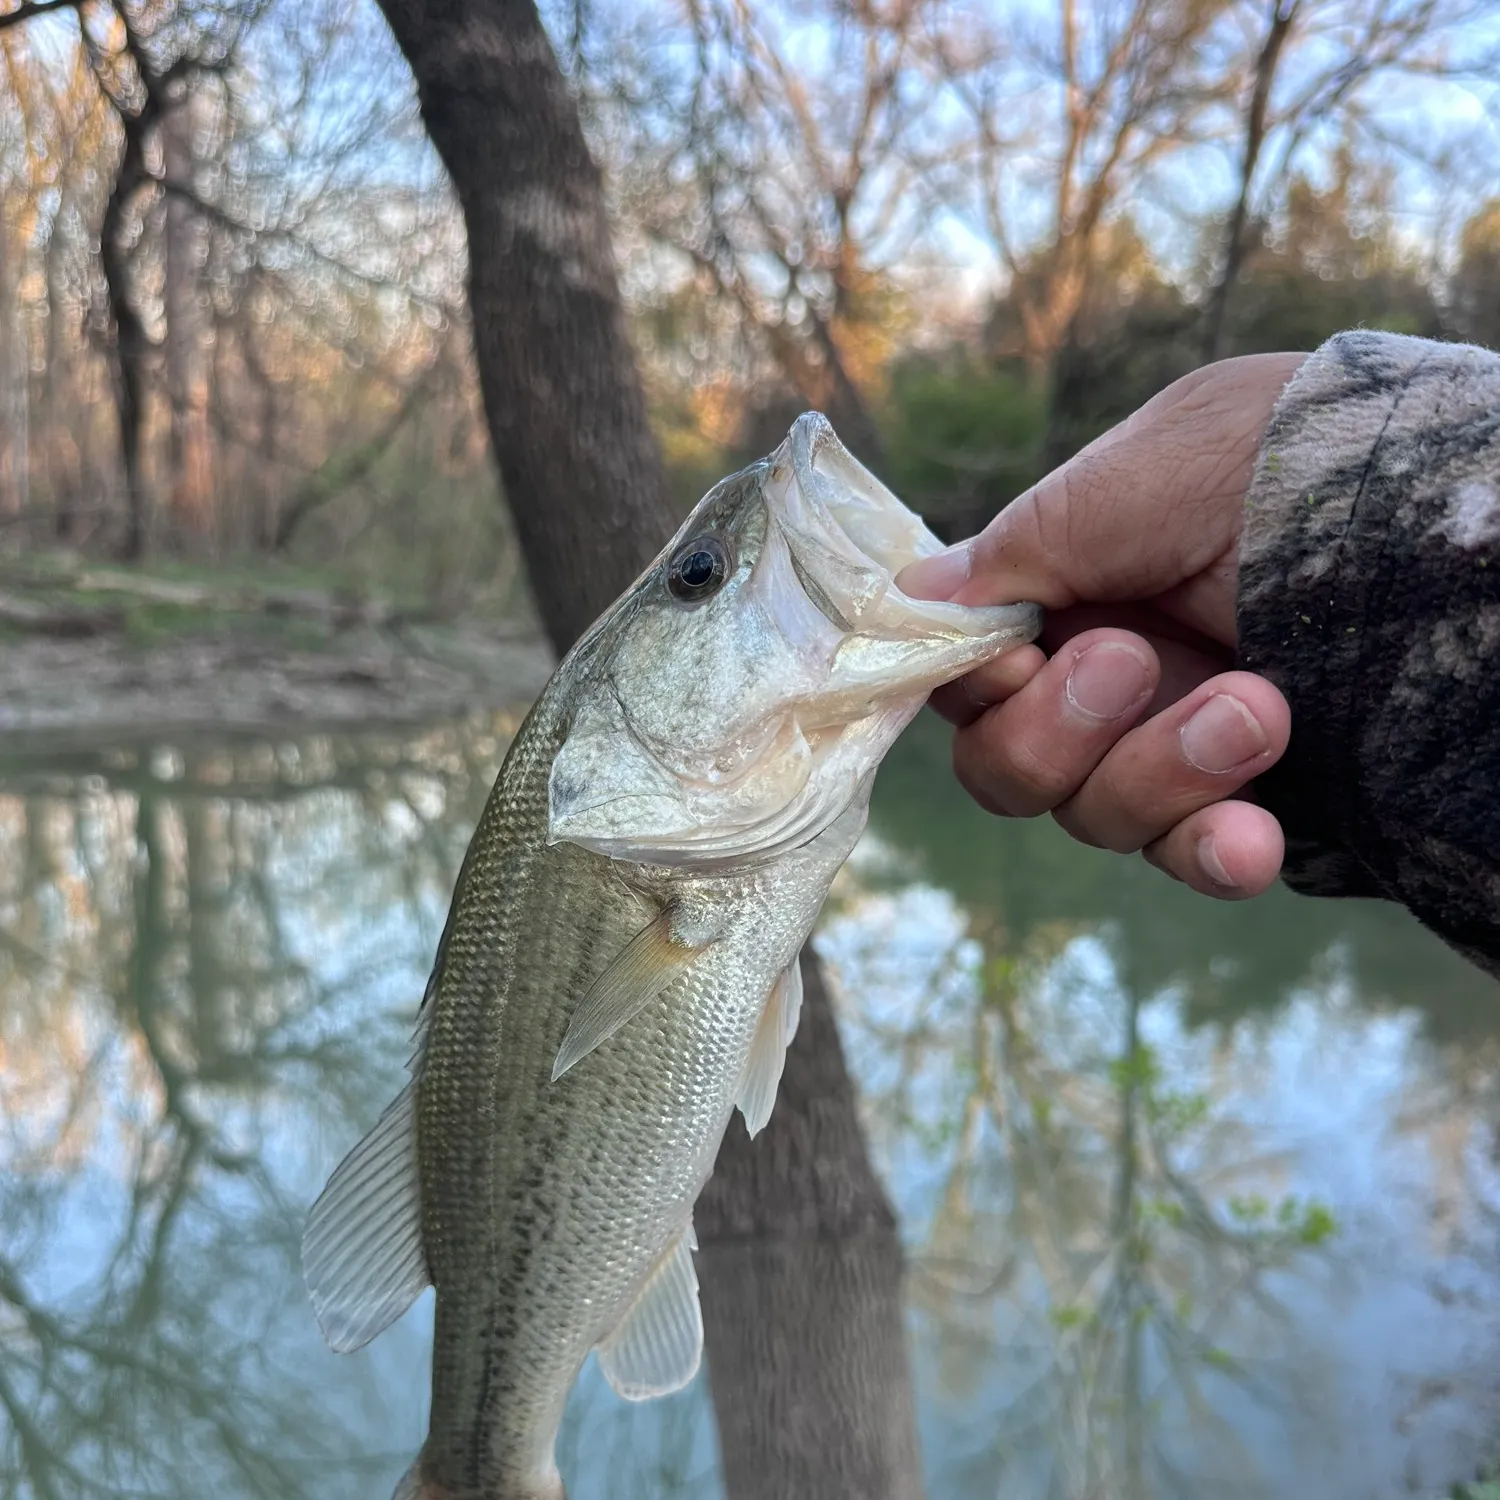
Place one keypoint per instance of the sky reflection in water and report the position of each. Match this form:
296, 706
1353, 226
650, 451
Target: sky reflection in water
1197, 1200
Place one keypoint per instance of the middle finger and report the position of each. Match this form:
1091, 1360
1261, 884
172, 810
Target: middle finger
1038, 748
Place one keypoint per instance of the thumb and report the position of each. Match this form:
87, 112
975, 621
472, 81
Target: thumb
1150, 504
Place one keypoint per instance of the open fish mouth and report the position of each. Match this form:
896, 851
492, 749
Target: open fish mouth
849, 537
741, 729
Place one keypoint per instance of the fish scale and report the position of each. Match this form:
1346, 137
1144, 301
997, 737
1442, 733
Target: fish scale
609, 1153
618, 970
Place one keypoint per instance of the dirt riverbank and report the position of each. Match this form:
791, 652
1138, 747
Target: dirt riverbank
77, 691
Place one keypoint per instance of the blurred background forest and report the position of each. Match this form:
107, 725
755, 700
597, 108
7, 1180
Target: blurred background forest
232, 315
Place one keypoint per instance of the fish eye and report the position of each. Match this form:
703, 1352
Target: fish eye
698, 569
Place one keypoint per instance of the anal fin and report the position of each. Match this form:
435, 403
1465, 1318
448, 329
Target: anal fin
410, 1487
659, 1343
362, 1256
778, 1025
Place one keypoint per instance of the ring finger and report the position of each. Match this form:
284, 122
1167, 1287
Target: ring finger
1200, 750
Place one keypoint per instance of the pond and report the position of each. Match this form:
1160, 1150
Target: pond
1197, 1199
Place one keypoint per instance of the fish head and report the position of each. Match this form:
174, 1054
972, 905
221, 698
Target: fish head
738, 698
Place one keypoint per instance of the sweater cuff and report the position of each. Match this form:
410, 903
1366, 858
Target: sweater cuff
1371, 520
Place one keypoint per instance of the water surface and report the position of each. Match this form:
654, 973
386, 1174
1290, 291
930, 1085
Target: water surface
1198, 1199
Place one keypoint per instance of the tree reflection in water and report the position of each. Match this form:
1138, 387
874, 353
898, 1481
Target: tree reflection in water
1175, 1179
1067, 1067
184, 939
1078, 1219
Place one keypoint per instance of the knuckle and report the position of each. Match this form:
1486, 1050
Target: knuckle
1077, 828
973, 777
1099, 816
1083, 488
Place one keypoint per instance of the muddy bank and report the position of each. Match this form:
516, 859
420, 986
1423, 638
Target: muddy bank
77, 691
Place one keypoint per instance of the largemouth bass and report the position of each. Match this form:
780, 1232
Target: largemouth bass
619, 967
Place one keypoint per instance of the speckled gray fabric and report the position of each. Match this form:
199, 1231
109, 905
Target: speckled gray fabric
1370, 594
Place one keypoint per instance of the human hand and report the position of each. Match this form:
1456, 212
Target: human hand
1134, 734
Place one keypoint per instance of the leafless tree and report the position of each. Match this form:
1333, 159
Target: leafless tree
1312, 65
1068, 124
246, 209
783, 187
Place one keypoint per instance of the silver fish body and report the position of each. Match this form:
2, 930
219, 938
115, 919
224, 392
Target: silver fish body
619, 968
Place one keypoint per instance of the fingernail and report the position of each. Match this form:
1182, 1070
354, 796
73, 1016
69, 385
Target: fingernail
1223, 734
1107, 679
940, 576
1211, 865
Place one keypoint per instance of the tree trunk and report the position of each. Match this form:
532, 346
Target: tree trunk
561, 391
1215, 330
131, 345
801, 1272
62, 450
15, 372
800, 1263
190, 498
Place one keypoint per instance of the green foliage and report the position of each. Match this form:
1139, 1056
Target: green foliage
1169, 1211
1303, 1223
1475, 290
962, 438
965, 434
1064, 1318
1284, 305
1291, 1222
1485, 1487
1315, 1224
694, 461
1174, 1112
1331, 262
1137, 1070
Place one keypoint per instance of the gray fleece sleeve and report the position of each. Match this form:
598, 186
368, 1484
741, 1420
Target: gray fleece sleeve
1370, 594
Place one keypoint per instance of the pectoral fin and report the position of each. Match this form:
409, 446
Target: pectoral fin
362, 1255
778, 1025
645, 966
659, 1343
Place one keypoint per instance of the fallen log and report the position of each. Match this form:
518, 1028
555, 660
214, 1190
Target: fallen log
307, 603
59, 619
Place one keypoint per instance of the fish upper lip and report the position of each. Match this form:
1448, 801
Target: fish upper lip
850, 535
851, 501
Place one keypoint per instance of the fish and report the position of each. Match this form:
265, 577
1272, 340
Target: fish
619, 968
